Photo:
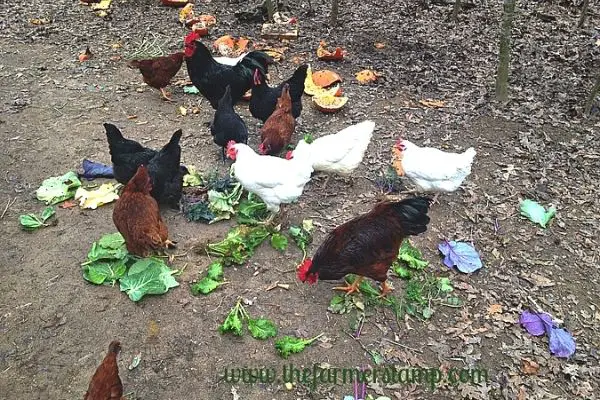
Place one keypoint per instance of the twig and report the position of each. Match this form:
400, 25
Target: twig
403, 346
584, 8
8, 204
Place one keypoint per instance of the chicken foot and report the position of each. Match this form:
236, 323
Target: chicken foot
351, 288
166, 95
385, 289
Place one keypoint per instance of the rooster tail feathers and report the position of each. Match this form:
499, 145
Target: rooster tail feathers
256, 60
413, 214
114, 347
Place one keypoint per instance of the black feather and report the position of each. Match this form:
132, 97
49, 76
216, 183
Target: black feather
227, 125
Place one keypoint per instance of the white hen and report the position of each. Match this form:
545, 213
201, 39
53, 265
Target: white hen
339, 153
430, 169
275, 180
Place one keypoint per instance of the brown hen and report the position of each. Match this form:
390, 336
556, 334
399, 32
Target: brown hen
279, 127
105, 383
158, 72
136, 215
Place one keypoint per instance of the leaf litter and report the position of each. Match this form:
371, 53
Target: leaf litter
427, 51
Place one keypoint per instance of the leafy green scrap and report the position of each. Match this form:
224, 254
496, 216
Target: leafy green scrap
252, 211
302, 235
147, 276
100, 272
259, 328
57, 189
222, 203
279, 242
239, 245
31, 222
288, 345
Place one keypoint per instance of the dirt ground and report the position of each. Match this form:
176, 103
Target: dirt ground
55, 327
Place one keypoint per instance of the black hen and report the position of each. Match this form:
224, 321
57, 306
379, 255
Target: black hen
211, 78
126, 154
264, 98
227, 125
166, 173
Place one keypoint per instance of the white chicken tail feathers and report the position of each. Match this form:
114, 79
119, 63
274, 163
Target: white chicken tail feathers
413, 214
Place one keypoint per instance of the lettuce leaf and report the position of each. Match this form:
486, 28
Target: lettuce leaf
58, 188
147, 276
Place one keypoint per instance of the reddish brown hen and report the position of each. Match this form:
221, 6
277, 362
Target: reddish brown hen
136, 215
368, 244
158, 72
277, 131
105, 383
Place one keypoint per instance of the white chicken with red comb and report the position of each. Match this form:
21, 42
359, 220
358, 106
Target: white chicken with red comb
275, 180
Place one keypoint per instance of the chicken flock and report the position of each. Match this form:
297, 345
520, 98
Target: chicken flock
365, 245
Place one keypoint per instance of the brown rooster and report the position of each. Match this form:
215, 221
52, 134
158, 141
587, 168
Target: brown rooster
157, 72
105, 383
368, 244
279, 127
136, 215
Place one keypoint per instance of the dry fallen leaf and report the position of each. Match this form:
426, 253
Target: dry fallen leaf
39, 21
495, 309
68, 204
432, 103
367, 76
186, 13
529, 367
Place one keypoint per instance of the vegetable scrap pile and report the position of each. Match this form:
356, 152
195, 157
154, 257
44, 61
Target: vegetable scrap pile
108, 262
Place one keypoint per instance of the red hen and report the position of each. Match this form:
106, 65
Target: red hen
368, 244
105, 383
279, 127
158, 72
136, 215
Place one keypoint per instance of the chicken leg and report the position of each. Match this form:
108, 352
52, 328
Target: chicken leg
385, 289
165, 94
351, 288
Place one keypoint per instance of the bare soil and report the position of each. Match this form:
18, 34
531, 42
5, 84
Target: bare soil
55, 327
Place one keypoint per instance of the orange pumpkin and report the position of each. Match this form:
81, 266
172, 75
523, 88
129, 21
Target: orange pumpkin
231, 47
325, 77
324, 54
328, 103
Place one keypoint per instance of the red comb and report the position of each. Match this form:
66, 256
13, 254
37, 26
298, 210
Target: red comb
191, 37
